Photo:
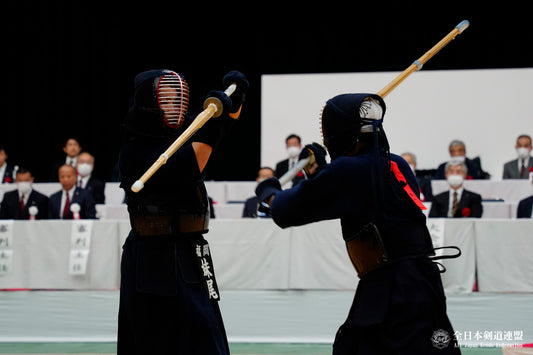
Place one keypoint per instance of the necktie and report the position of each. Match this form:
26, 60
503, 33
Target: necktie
66, 209
21, 202
523, 169
455, 203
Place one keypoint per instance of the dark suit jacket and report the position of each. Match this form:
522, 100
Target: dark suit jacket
211, 207
473, 166
469, 205
424, 177
8, 175
511, 171
96, 188
425, 189
80, 196
250, 209
10, 208
282, 167
525, 208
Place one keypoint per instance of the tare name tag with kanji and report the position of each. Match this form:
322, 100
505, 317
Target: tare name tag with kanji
206, 266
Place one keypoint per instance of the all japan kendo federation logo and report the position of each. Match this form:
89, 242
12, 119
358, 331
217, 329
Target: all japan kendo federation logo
440, 339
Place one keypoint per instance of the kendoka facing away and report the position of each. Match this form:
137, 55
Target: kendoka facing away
399, 305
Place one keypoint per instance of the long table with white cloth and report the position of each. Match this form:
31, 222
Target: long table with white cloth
255, 254
500, 198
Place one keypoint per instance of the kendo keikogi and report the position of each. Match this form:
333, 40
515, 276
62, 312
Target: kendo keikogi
399, 305
168, 293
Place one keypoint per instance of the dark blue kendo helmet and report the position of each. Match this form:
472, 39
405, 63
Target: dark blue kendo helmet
159, 103
345, 116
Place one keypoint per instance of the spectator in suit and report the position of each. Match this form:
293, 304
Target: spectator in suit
424, 181
85, 167
63, 202
456, 202
293, 144
72, 149
250, 205
519, 168
17, 203
457, 151
211, 207
525, 207
7, 171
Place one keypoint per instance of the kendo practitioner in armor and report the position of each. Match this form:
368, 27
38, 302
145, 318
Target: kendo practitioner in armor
168, 292
399, 305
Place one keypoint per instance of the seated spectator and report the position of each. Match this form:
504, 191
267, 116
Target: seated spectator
456, 202
70, 202
424, 180
457, 151
72, 149
7, 171
519, 168
250, 205
85, 167
18, 204
293, 144
525, 207
211, 207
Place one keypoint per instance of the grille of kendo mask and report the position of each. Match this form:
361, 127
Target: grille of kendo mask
370, 110
173, 99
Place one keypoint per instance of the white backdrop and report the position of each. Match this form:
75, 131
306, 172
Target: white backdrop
487, 109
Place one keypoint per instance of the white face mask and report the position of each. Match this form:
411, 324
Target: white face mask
455, 180
85, 169
522, 152
293, 151
24, 187
412, 168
